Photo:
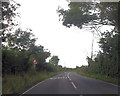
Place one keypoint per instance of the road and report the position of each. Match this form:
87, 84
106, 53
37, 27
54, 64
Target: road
72, 83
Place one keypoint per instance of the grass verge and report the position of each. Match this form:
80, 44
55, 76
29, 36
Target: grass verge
101, 77
17, 84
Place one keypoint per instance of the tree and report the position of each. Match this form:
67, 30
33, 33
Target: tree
88, 14
54, 60
108, 13
78, 14
94, 15
91, 15
106, 61
8, 14
14, 61
21, 40
18, 55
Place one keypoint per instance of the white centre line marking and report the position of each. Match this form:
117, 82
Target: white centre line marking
71, 81
73, 85
68, 76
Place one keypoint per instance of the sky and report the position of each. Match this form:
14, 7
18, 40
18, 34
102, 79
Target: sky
71, 45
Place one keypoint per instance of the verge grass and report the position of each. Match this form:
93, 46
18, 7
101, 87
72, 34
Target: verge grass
14, 84
101, 77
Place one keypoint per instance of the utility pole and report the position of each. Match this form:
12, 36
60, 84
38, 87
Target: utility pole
92, 45
0, 66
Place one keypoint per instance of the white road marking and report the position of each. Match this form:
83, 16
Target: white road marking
73, 85
58, 78
68, 76
48, 79
71, 80
31, 88
65, 77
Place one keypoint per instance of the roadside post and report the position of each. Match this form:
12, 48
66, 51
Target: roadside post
35, 63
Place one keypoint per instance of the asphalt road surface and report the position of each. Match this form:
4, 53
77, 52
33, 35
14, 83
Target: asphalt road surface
72, 83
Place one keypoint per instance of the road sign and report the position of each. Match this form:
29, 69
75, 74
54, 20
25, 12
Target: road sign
35, 61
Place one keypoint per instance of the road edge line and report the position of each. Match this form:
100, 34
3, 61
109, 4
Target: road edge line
32, 87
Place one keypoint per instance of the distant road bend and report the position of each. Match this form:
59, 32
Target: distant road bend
72, 83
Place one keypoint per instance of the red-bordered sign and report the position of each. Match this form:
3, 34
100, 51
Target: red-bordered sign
35, 61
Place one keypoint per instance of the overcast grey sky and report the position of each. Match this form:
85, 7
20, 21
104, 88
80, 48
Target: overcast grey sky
71, 45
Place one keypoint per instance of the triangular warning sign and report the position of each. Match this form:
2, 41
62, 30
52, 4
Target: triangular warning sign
34, 61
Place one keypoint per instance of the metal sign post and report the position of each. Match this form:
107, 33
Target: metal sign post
35, 62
